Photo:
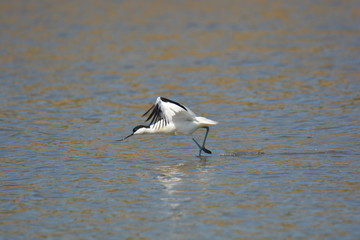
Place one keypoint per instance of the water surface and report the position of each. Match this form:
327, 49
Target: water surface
280, 77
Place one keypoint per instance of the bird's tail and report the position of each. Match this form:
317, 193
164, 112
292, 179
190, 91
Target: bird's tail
204, 122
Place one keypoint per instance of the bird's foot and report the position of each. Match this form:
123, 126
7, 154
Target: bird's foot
206, 150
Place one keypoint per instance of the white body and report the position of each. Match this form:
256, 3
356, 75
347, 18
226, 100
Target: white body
172, 118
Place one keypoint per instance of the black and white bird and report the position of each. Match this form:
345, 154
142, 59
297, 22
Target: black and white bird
172, 118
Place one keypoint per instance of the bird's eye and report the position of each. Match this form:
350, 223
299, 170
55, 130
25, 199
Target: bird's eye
138, 127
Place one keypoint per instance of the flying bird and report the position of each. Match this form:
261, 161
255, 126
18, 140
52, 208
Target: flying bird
172, 118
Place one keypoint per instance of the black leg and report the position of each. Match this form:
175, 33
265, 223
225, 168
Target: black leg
207, 131
202, 148
198, 146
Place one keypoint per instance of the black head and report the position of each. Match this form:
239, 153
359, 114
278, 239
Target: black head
134, 130
138, 127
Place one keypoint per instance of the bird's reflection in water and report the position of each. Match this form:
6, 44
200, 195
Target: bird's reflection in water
178, 182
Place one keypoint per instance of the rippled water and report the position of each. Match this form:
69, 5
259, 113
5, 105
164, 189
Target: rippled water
281, 77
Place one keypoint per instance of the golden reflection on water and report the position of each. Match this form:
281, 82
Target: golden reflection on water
280, 77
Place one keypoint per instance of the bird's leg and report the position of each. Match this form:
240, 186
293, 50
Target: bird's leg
206, 134
202, 148
198, 146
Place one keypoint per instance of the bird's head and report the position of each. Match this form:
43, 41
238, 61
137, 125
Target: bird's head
139, 129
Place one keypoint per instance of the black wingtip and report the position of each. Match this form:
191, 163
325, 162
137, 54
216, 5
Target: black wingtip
148, 110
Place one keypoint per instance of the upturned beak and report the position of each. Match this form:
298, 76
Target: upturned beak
125, 137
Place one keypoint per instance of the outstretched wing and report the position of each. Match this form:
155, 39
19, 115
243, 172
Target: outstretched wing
165, 109
156, 113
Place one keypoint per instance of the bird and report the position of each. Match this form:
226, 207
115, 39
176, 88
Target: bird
172, 118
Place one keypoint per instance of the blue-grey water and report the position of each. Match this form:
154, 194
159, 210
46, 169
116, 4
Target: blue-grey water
282, 78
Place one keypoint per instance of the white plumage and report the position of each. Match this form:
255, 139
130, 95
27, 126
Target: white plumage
169, 117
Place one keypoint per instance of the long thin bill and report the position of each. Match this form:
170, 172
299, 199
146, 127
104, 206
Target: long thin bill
125, 137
